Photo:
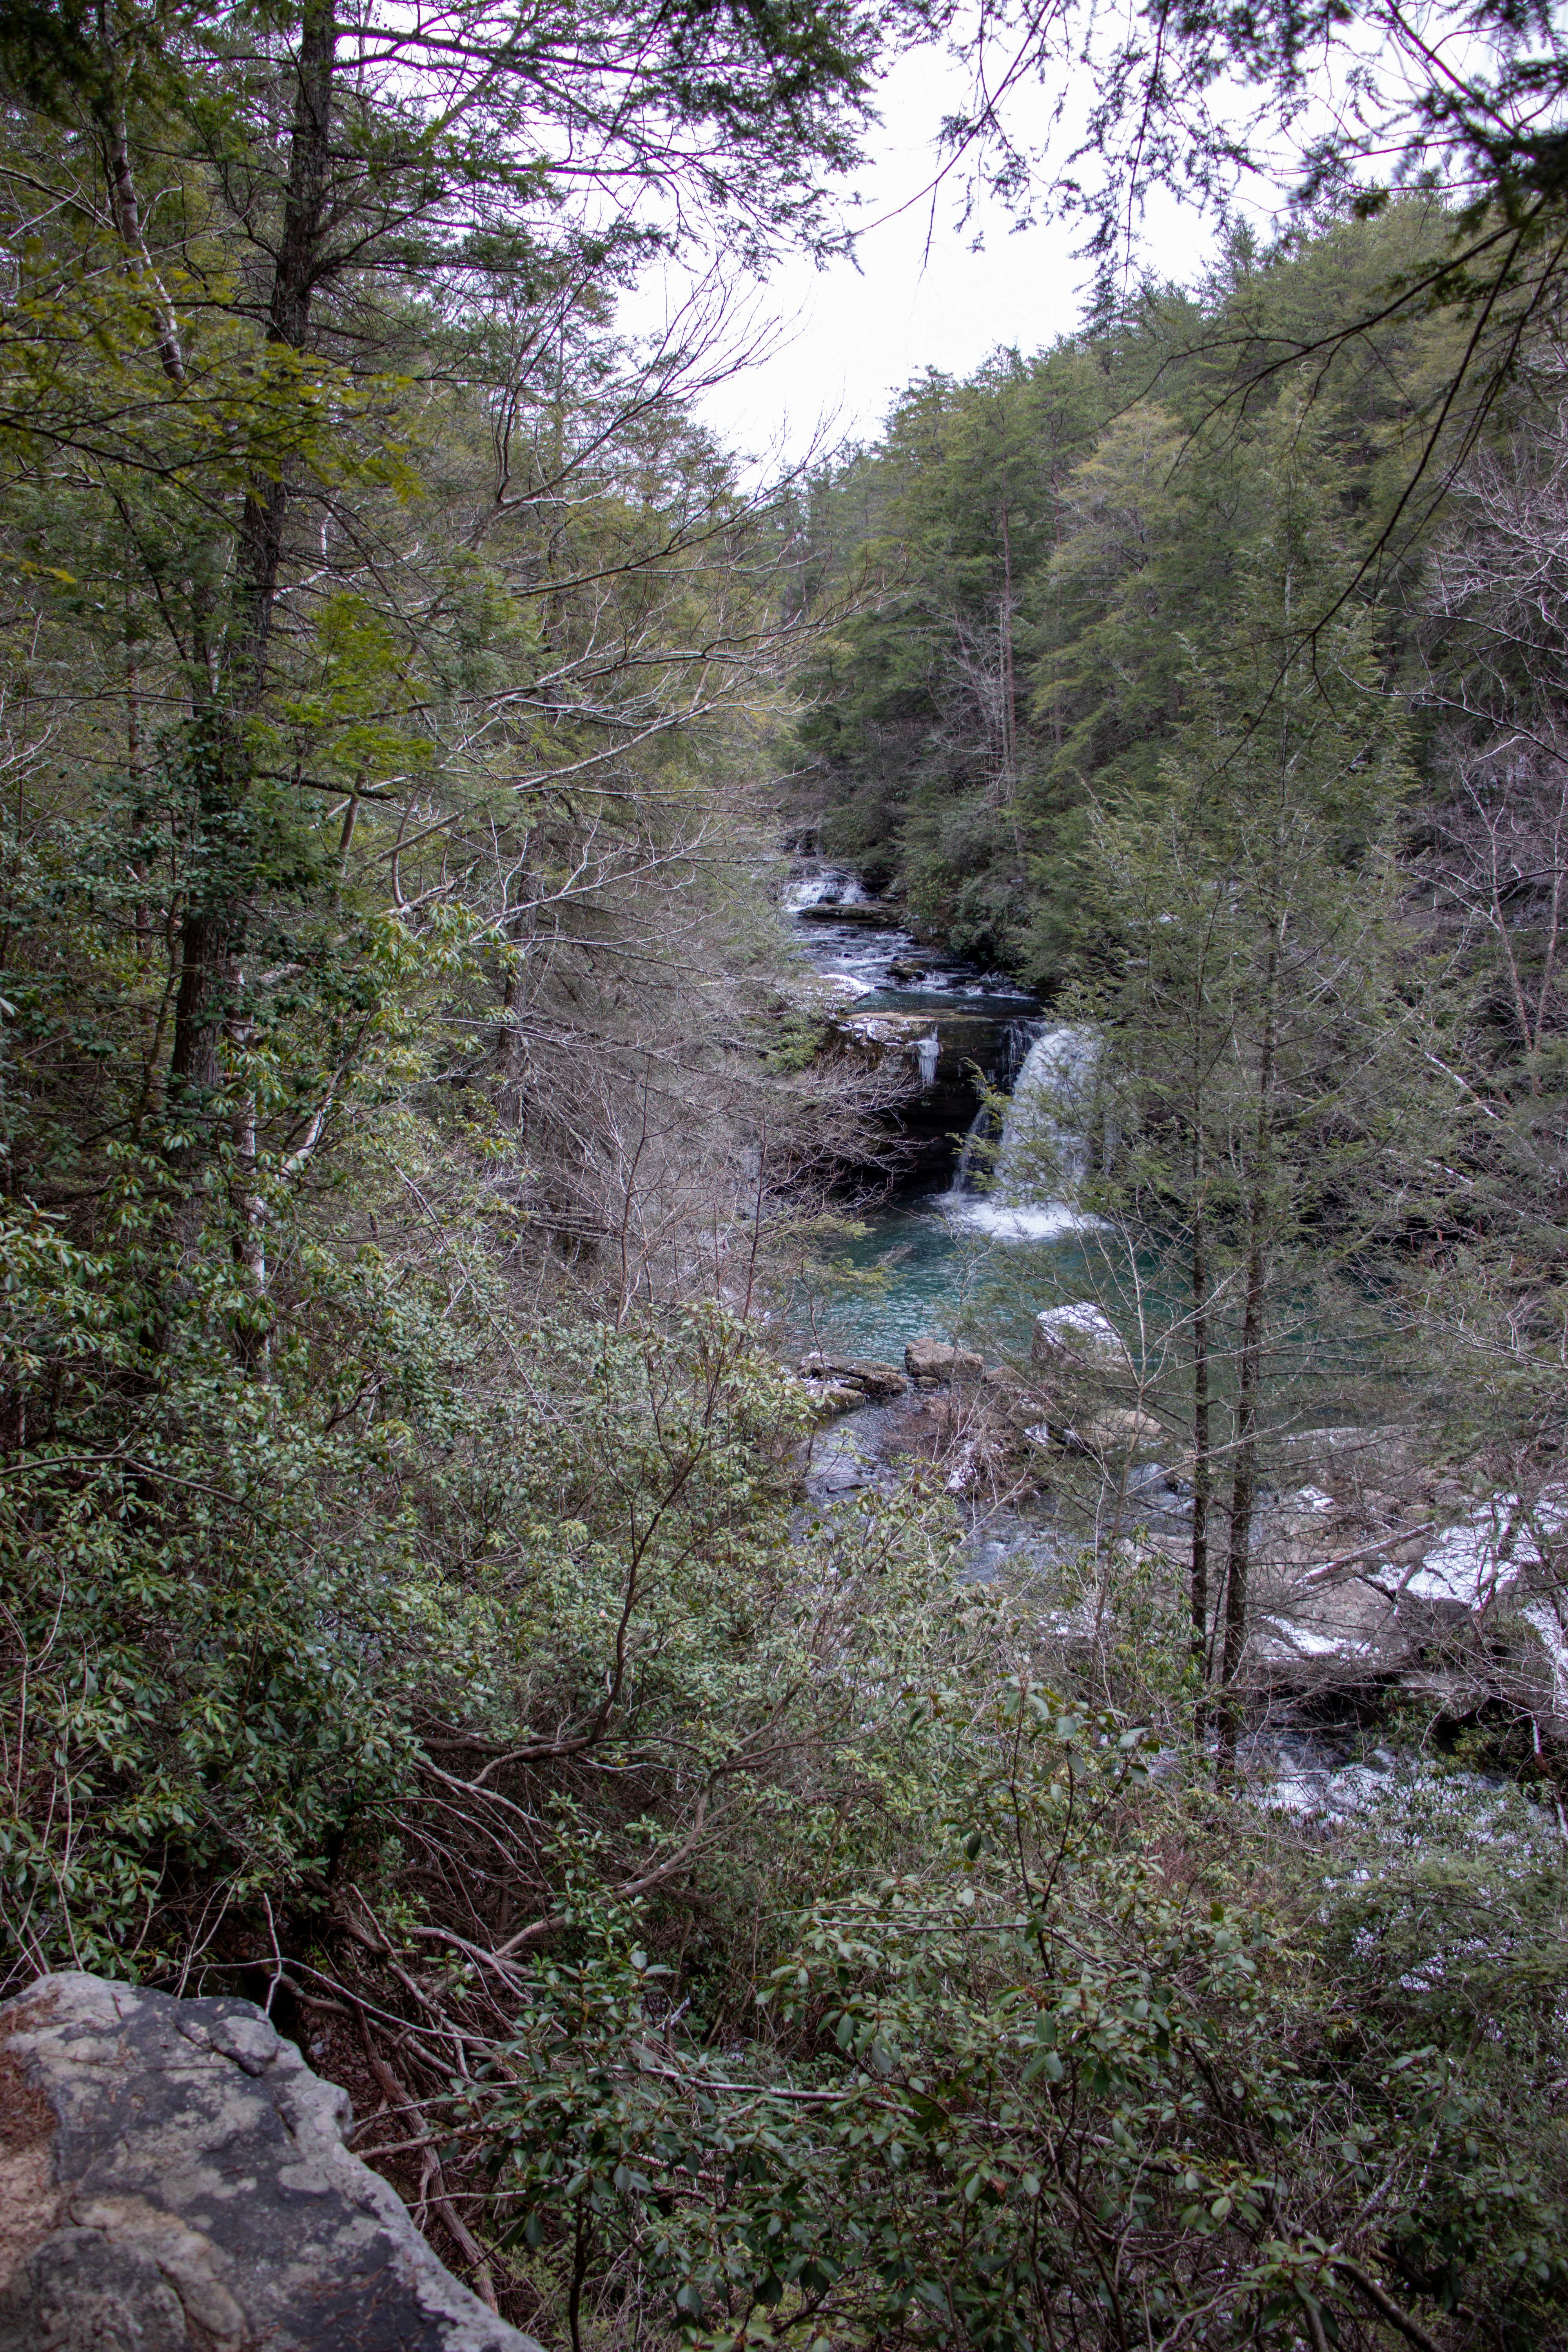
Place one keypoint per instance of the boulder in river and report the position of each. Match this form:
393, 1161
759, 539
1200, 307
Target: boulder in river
1108, 1435
830, 1398
936, 1360
877, 1383
1115, 1432
1079, 1338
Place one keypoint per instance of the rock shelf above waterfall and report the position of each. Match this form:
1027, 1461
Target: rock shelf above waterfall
959, 1031
870, 914
906, 1036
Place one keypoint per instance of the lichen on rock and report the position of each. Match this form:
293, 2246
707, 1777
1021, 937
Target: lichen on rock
173, 2175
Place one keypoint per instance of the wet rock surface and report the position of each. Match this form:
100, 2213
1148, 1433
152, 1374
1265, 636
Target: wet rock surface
173, 2175
936, 1360
870, 1379
830, 1399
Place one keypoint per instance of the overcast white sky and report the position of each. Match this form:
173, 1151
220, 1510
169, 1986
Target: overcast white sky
919, 298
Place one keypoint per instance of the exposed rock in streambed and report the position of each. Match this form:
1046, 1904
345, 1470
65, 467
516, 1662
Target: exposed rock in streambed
1376, 1573
871, 1380
936, 1362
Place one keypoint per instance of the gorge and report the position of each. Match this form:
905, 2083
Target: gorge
807, 1598
1371, 1582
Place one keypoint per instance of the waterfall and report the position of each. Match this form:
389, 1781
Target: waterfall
1044, 1140
975, 1159
1016, 1045
978, 1156
1044, 1118
834, 887
928, 1049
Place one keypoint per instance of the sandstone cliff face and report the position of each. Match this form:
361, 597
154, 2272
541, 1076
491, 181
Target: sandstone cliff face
172, 2176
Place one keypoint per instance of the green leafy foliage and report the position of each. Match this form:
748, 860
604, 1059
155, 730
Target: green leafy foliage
1047, 2083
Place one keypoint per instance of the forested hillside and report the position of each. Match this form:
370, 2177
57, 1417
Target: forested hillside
736, 1923
1063, 543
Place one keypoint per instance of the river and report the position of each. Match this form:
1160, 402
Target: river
954, 1249
973, 1242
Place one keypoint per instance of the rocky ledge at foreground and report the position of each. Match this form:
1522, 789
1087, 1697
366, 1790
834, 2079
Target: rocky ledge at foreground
172, 2176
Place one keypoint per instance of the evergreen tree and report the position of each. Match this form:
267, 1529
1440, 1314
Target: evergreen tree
1278, 1114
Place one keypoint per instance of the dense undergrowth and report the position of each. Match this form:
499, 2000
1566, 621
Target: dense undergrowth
777, 1937
732, 1927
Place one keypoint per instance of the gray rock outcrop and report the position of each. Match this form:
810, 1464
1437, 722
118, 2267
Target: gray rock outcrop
878, 1381
172, 2176
932, 1360
1079, 1338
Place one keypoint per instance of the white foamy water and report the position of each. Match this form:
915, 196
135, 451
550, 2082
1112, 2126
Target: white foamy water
1049, 1221
832, 887
1044, 1139
1045, 1124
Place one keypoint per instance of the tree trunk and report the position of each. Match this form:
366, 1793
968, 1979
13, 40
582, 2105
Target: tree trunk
1244, 1484
1201, 1471
213, 931
208, 937
288, 320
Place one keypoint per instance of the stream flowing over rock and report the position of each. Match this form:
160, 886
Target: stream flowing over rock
949, 1029
1372, 1569
174, 2176
1044, 1149
832, 886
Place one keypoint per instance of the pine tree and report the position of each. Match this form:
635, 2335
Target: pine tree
1276, 1111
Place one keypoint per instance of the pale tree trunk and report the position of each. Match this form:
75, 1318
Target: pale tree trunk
1202, 1493
1243, 1482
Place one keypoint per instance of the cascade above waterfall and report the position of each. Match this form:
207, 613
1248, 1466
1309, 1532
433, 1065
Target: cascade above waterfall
833, 887
1042, 1153
956, 1028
